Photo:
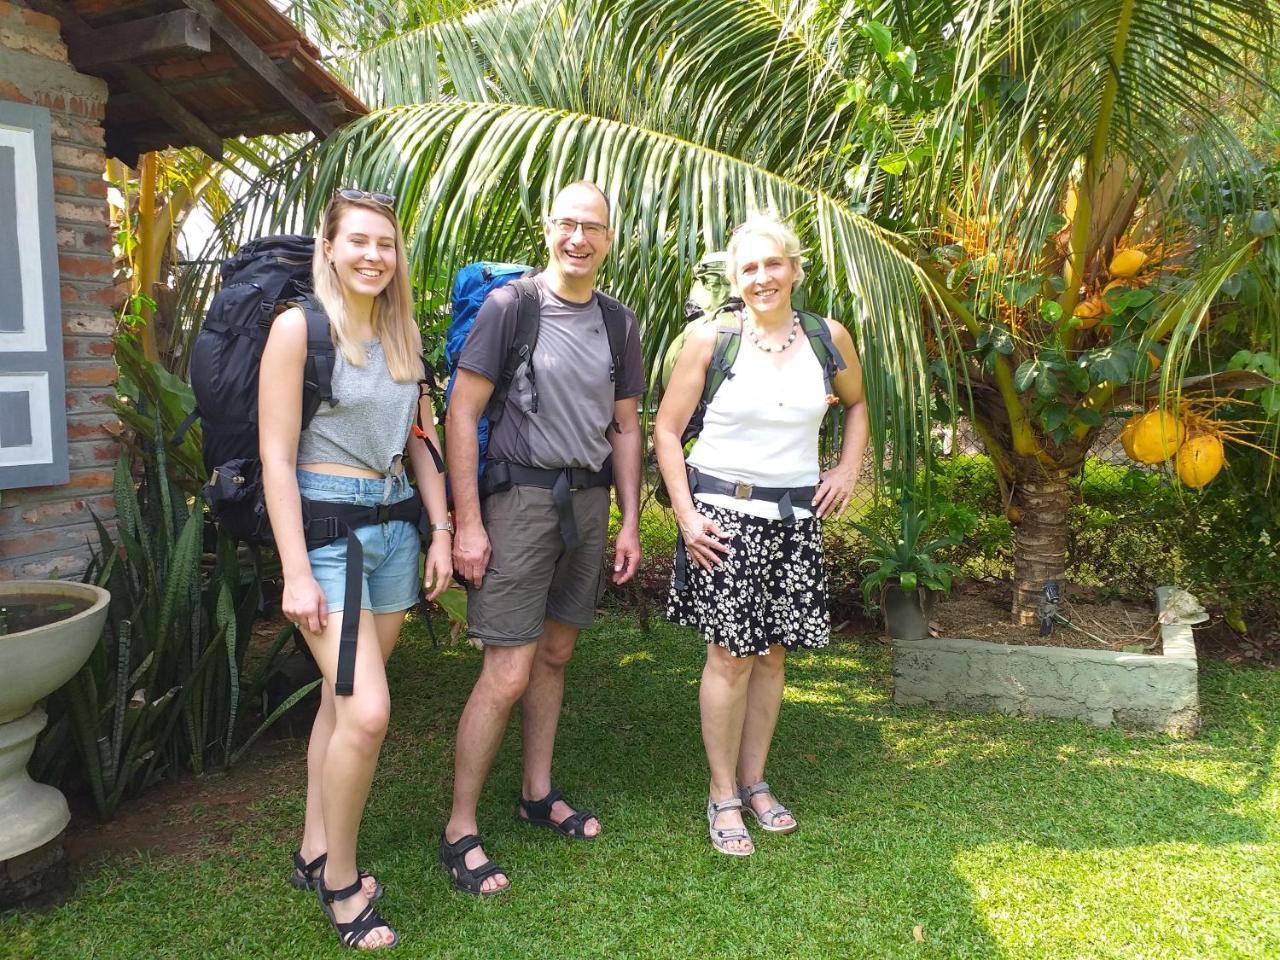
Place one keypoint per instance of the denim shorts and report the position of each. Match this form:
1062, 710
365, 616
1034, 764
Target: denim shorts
390, 579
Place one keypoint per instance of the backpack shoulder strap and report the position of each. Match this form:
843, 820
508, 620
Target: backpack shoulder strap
819, 336
615, 328
724, 354
317, 377
523, 343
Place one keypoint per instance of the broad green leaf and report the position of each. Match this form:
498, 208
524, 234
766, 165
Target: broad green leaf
1262, 223
1025, 375
879, 35
1054, 415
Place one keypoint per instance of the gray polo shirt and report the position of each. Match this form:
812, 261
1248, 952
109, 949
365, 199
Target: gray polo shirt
571, 371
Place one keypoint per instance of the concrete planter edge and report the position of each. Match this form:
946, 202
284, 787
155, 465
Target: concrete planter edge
1129, 690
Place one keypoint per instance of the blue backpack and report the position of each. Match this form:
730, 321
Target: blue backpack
471, 285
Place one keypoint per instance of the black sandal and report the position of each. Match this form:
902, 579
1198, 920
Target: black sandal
304, 874
469, 880
353, 932
538, 813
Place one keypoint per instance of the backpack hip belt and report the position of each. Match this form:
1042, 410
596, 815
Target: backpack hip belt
500, 475
787, 498
326, 521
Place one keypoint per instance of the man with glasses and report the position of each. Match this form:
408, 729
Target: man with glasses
531, 534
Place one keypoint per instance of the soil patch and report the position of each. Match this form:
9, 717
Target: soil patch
980, 611
182, 818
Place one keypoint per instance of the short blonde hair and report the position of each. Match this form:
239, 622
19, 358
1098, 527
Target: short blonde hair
768, 226
393, 321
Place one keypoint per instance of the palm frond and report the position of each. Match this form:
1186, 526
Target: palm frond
1037, 88
741, 76
473, 180
459, 55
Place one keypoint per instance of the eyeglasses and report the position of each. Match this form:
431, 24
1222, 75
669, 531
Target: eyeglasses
351, 193
567, 227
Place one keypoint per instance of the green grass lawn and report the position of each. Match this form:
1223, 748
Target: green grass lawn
998, 837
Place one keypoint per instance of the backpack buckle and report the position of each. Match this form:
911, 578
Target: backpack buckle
384, 513
321, 531
742, 491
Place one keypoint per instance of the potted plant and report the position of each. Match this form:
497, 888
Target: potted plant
907, 577
48, 628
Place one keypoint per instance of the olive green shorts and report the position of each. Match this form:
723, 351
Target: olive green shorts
531, 575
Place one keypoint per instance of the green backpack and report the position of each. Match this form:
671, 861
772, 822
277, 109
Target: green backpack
708, 294
709, 302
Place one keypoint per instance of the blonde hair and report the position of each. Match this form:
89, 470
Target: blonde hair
392, 318
771, 228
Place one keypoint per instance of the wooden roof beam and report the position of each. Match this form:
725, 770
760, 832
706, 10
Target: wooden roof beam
195, 130
166, 34
170, 109
258, 62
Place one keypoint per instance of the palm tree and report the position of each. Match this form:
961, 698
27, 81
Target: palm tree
927, 153
1085, 129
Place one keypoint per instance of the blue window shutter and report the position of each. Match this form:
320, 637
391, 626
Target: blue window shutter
33, 419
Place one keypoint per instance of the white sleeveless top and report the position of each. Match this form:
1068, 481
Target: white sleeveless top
762, 426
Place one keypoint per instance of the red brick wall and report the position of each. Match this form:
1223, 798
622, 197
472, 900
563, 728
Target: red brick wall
44, 530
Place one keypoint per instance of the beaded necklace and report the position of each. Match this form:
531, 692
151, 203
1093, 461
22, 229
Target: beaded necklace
754, 334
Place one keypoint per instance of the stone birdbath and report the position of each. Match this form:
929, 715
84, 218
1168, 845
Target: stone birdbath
48, 628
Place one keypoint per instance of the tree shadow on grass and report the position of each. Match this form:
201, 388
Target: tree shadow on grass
907, 817
888, 800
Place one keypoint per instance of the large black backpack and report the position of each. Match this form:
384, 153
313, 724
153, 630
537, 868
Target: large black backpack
263, 278
266, 276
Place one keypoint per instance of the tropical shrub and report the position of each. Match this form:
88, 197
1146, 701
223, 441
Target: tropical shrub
169, 687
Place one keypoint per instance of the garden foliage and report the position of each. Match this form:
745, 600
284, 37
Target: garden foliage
168, 688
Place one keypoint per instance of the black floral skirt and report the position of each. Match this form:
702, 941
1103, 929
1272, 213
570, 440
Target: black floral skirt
771, 588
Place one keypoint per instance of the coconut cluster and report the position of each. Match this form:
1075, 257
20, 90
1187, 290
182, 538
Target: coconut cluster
1123, 270
1155, 436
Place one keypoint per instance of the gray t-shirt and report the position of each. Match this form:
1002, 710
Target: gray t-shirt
571, 371
368, 424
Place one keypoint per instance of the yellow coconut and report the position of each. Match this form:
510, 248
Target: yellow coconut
1126, 263
1157, 436
1126, 435
1114, 285
1200, 459
1089, 311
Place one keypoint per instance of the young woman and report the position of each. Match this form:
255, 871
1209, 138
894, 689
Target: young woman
352, 452
755, 586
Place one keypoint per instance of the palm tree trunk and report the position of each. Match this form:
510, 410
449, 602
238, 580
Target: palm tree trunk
1040, 544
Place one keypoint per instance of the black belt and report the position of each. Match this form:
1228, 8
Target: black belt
787, 498
501, 475
324, 522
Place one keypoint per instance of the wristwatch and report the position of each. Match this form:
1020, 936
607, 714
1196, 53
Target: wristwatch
445, 525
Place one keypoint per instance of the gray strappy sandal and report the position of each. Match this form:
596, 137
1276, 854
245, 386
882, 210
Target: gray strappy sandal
721, 836
769, 819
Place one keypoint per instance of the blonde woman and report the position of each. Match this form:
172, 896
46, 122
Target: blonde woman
351, 458
748, 502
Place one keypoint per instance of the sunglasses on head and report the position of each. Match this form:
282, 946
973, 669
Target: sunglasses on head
351, 193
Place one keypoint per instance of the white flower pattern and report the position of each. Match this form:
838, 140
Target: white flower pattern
770, 589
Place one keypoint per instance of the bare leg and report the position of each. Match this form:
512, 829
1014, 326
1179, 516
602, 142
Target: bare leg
314, 843
541, 716
723, 700
360, 723
313, 839
502, 681
764, 698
